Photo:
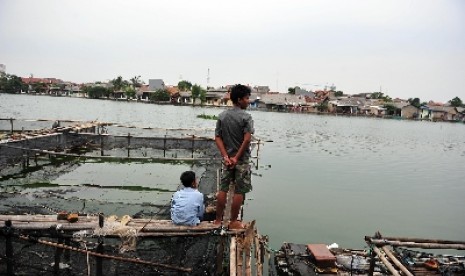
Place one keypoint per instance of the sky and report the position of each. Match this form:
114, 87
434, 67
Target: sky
403, 48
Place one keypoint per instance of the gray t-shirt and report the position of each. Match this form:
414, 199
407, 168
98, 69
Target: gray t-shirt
231, 126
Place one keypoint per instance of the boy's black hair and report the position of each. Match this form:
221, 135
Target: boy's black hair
187, 178
239, 91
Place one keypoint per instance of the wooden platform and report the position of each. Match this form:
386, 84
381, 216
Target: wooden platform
143, 227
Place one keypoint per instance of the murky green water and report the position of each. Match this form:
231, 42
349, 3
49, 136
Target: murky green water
322, 179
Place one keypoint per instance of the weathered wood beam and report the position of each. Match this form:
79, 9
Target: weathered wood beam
395, 261
386, 262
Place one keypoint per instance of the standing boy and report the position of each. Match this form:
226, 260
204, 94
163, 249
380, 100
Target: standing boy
233, 134
187, 206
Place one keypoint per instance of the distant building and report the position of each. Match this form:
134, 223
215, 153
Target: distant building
261, 89
155, 84
2, 68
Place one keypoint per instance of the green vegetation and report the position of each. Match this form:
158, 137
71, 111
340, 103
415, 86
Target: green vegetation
198, 93
11, 84
291, 90
390, 109
184, 85
457, 102
415, 102
96, 92
322, 107
161, 95
381, 96
207, 117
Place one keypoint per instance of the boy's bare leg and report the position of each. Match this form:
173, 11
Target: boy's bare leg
236, 206
220, 204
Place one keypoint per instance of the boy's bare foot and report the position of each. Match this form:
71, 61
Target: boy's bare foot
217, 222
236, 225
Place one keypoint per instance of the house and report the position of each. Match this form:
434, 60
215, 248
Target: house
439, 113
185, 97
442, 113
261, 89
155, 84
409, 112
214, 98
282, 102
345, 105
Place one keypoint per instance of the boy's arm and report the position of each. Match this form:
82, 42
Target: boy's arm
244, 146
220, 145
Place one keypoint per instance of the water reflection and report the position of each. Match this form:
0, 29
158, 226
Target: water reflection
322, 179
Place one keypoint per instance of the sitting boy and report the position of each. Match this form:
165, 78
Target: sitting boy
187, 207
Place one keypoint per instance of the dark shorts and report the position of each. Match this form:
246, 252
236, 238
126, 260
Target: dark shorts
240, 175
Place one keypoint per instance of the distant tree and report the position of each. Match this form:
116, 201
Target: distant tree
390, 109
136, 81
338, 93
118, 83
381, 96
161, 95
184, 85
97, 92
130, 92
39, 87
415, 102
11, 84
457, 102
322, 107
196, 90
291, 90
423, 104
203, 95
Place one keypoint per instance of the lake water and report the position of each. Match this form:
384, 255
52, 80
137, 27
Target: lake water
322, 179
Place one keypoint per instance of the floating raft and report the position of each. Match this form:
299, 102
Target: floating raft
385, 256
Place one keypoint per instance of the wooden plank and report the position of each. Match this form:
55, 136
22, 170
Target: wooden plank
232, 257
396, 262
382, 242
386, 262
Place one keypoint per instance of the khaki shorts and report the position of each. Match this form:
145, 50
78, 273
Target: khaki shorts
240, 175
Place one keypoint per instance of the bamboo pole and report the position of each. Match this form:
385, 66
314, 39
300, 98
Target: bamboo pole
386, 262
118, 258
232, 257
248, 260
239, 256
395, 261
418, 245
248, 239
115, 157
419, 240
258, 254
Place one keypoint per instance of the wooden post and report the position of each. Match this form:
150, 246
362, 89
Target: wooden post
98, 266
193, 139
129, 142
239, 255
258, 254
372, 261
11, 123
232, 257
8, 248
58, 251
101, 144
164, 146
